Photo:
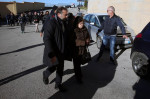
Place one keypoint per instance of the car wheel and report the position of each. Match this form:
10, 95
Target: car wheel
98, 42
140, 64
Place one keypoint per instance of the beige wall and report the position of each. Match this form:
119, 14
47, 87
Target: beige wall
136, 13
7, 7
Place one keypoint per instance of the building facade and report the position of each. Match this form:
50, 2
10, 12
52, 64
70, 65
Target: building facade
136, 13
16, 7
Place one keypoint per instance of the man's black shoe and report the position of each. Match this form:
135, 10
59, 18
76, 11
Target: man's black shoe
97, 59
60, 88
79, 81
45, 80
113, 61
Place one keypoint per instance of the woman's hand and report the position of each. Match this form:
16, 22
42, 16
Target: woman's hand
87, 42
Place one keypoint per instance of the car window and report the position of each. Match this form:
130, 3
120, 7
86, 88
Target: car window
97, 23
101, 18
87, 18
92, 20
146, 33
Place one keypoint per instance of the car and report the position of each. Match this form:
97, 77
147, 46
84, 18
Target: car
79, 14
140, 53
93, 23
67, 6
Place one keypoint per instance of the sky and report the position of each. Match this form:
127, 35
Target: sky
46, 1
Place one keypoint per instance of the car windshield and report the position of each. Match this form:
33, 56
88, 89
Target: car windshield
102, 19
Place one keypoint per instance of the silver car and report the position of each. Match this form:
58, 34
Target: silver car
93, 23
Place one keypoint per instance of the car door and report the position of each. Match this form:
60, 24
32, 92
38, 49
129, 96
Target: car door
101, 19
94, 26
87, 19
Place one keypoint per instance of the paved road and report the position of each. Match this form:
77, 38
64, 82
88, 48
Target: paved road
21, 72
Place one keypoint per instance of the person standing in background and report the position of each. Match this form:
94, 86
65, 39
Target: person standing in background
36, 20
8, 19
43, 21
41, 16
45, 17
12, 19
22, 21
30, 17
52, 15
79, 9
16, 19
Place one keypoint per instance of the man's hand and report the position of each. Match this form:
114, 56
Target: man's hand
124, 36
41, 34
97, 34
53, 60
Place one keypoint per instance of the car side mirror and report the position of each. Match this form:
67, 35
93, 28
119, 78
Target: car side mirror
92, 23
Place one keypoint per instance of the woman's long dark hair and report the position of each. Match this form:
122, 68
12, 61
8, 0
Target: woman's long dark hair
78, 19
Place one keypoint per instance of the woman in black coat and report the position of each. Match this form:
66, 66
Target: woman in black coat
81, 40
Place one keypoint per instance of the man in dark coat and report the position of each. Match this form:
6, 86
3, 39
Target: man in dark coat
22, 19
30, 16
12, 19
54, 41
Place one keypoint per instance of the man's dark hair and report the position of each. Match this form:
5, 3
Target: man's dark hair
54, 8
60, 9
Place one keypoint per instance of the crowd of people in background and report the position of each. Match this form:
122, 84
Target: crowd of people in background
26, 18
30, 18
